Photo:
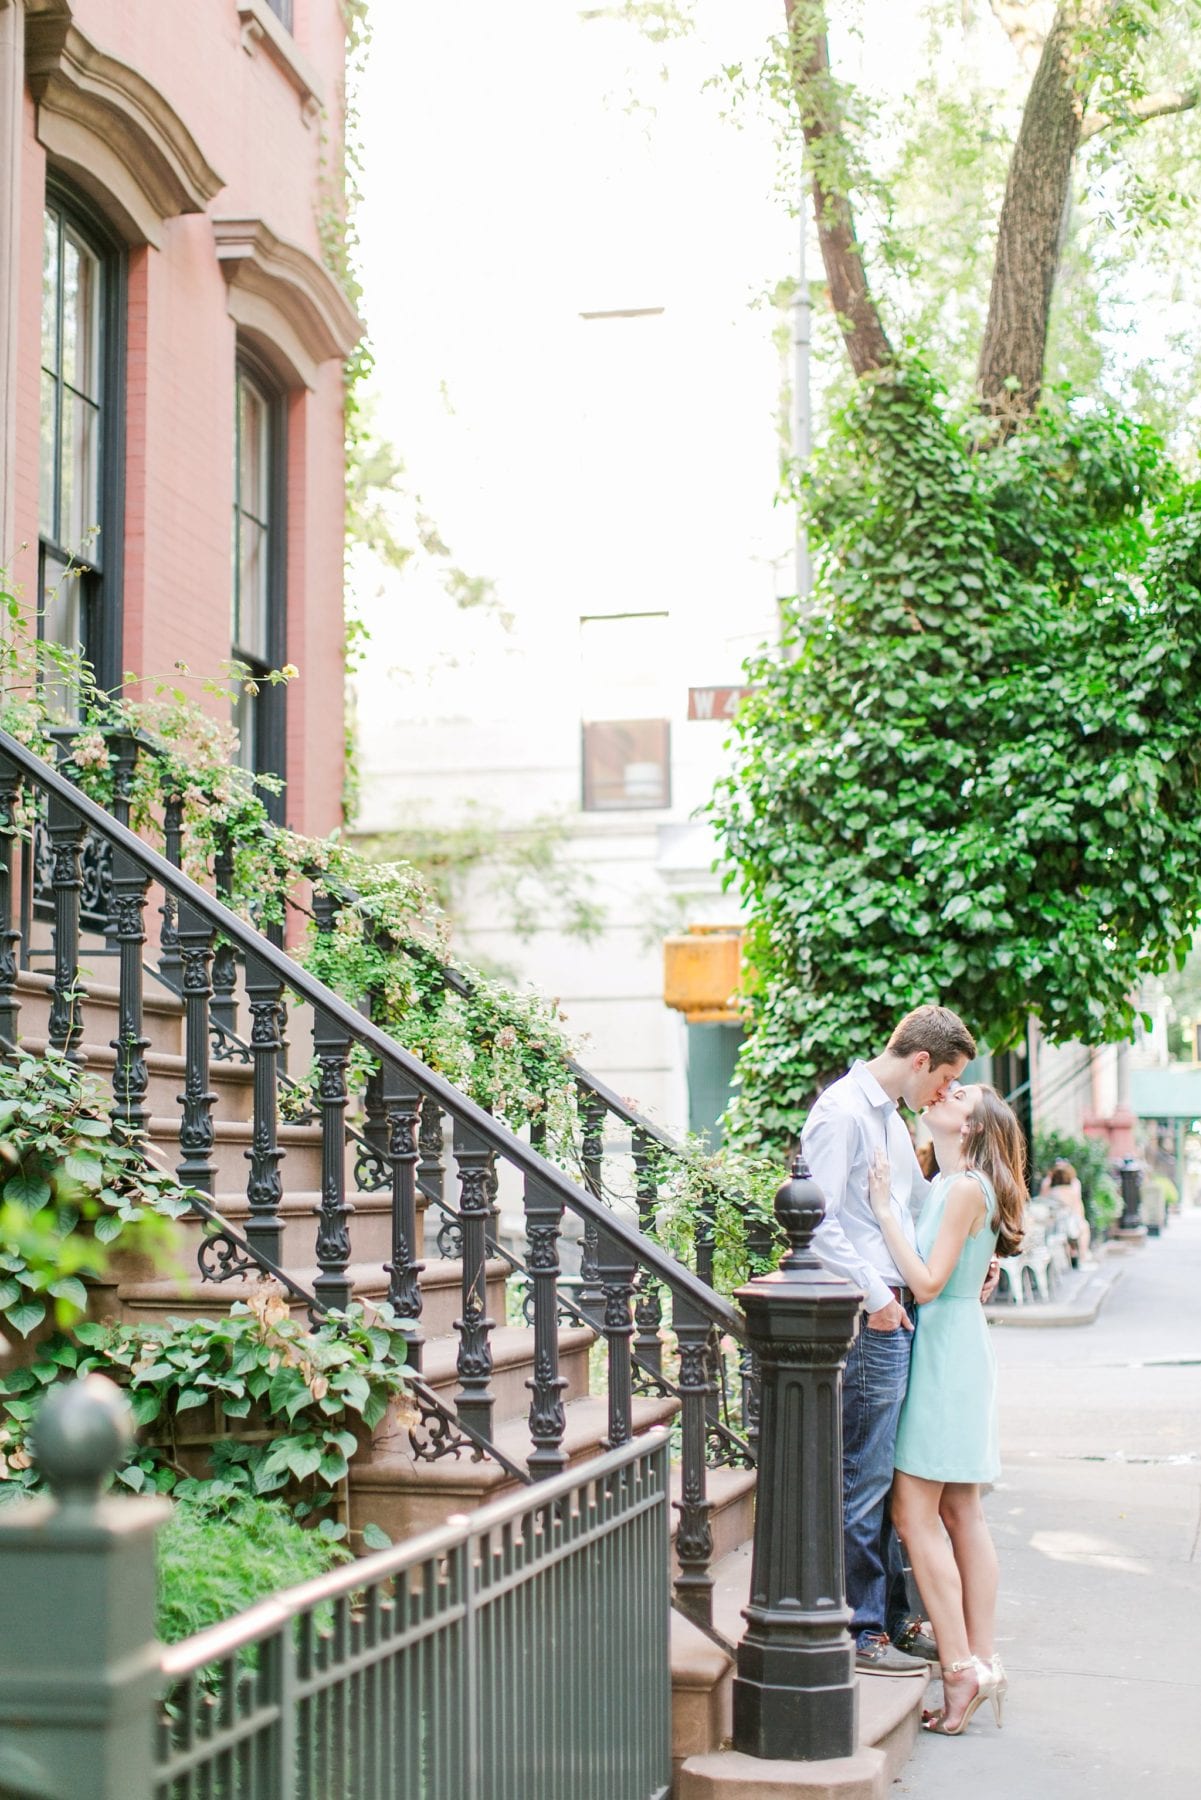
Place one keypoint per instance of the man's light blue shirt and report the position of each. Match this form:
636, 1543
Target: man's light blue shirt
849, 1122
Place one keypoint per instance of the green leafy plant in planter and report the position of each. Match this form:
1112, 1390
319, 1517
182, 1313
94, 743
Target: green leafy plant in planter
275, 1408
71, 1185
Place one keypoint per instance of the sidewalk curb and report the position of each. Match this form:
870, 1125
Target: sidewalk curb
1082, 1311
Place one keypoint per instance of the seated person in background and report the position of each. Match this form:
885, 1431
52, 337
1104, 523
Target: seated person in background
1062, 1185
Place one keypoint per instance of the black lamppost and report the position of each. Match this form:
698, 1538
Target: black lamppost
794, 1692
1130, 1180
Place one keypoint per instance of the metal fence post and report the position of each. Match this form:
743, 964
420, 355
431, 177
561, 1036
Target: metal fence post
794, 1692
79, 1665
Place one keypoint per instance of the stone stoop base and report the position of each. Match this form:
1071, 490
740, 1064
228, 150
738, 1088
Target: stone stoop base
889, 1714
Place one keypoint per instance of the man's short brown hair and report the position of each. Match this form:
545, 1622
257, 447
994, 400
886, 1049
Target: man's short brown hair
935, 1029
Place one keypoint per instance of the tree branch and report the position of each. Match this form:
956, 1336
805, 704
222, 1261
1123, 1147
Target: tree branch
821, 120
1151, 106
1013, 16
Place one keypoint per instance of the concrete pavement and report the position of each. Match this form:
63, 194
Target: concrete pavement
1098, 1526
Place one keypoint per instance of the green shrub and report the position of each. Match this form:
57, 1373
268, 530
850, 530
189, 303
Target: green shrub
222, 1551
1090, 1159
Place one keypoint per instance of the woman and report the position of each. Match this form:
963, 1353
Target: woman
947, 1438
1062, 1184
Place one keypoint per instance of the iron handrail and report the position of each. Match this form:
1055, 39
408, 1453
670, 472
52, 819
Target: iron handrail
680, 1281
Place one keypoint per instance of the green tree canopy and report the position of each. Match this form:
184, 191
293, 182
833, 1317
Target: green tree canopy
977, 778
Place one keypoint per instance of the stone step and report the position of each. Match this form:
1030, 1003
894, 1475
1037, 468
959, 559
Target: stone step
394, 1490
162, 1012
512, 1348
232, 1083
731, 1496
184, 1295
300, 1166
705, 1768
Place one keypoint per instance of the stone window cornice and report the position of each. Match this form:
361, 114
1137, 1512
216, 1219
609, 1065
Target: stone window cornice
112, 131
284, 301
262, 30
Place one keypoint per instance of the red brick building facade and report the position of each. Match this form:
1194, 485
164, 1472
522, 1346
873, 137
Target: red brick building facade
172, 346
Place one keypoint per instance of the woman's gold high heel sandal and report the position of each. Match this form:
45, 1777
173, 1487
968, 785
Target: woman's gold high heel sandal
1000, 1689
986, 1689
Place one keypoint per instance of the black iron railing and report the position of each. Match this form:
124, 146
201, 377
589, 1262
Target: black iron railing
672, 1346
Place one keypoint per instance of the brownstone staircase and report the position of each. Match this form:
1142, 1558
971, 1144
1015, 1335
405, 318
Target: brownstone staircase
512, 1358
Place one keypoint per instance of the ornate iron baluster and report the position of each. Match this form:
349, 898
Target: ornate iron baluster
648, 1307
616, 1269
170, 967
332, 1046
123, 757
224, 1007
548, 1421
473, 1402
402, 1109
431, 1143
371, 1166
706, 1234
592, 1123
195, 942
131, 1078
694, 1538
66, 842
10, 938
264, 1188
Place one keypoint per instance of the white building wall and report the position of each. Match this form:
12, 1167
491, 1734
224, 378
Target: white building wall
587, 466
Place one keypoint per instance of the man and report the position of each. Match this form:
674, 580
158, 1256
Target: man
849, 1123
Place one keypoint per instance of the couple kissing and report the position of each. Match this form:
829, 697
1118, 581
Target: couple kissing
919, 1407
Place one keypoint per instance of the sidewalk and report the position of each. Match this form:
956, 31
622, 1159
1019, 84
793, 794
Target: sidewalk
1097, 1521
1079, 1295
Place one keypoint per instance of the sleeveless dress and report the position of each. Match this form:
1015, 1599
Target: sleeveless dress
948, 1425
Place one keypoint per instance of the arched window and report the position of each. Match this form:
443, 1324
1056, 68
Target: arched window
259, 626
80, 464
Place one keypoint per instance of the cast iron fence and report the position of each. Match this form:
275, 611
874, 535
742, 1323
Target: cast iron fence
517, 1654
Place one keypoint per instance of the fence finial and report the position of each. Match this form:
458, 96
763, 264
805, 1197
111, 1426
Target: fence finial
81, 1434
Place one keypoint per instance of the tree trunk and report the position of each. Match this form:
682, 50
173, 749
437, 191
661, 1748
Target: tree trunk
1010, 371
865, 338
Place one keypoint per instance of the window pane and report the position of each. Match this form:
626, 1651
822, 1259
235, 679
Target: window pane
61, 607
252, 590
50, 292
80, 505
47, 458
252, 450
627, 764
81, 317
245, 723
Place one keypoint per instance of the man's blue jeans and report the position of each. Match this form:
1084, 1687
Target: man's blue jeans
873, 1387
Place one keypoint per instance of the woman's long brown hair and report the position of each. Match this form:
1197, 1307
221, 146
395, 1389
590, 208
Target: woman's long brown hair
993, 1143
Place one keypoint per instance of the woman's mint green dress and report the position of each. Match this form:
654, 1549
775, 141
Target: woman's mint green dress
948, 1428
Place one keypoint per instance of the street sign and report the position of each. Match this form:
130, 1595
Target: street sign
715, 702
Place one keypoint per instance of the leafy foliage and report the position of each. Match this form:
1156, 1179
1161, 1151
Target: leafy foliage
976, 779
1090, 1159
220, 1553
303, 1393
724, 1196
70, 1186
